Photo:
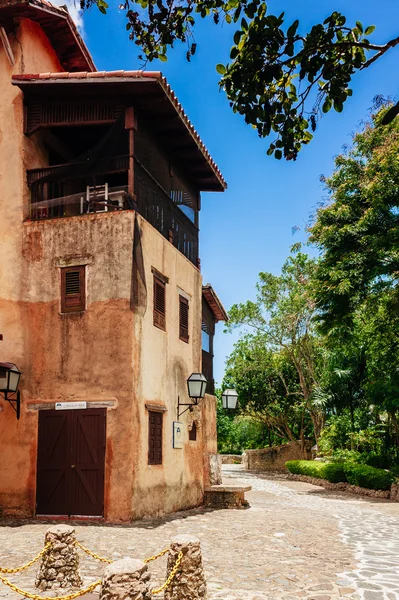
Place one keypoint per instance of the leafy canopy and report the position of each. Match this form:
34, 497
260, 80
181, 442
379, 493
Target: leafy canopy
279, 78
358, 231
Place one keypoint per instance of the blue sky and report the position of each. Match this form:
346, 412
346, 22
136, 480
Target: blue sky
248, 228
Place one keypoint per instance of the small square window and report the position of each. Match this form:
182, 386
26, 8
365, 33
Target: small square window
73, 289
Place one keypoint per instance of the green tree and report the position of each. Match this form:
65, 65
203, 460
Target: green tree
283, 318
358, 231
280, 78
268, 388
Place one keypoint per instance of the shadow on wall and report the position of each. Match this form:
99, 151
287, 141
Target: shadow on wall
275, 457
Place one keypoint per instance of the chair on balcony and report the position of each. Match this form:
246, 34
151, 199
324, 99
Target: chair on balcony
96, 199
100, 199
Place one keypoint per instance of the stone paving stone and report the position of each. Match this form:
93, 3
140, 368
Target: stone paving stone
296, 541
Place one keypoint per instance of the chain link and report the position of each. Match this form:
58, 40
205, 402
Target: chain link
93, 554
29, 564
151, 558
26, 594
171, 576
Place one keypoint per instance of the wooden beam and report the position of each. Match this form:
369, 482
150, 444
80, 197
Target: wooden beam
7, 46
131, 126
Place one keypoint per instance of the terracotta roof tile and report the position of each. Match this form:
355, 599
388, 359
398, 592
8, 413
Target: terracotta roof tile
63, 36
133, 75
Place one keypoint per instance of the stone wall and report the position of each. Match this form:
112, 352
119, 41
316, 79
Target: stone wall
231, 459
275, 457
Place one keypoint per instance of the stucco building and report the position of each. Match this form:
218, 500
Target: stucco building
101, 296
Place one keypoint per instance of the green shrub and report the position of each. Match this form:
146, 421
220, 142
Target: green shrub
333, 472
368, 477
379, 461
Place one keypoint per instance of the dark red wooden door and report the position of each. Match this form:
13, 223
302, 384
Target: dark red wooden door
70, 465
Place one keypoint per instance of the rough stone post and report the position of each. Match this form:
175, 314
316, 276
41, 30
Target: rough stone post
189, 582
126, 579
60, 565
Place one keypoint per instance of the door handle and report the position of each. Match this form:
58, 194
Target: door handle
73, 466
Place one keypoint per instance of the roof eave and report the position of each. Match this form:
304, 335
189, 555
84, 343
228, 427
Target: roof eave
214, 303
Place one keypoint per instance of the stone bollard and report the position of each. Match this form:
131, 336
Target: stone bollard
189, 582
60, 565
126, 578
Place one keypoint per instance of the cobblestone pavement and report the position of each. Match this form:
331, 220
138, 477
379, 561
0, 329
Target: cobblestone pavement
296, 541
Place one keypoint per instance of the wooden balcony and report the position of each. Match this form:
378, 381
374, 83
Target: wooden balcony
59, 191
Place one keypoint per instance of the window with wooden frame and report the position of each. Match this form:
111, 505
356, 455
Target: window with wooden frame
159, 303
73, 289
155, 423
183, 319
192, 434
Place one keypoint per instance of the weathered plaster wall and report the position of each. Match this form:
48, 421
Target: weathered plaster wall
81, 356
33, 54
165, 362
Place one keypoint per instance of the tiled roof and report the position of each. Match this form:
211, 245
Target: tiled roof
215, 304
128, 75
59, 27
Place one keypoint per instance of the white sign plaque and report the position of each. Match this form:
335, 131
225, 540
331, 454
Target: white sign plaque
178, 435
70, 405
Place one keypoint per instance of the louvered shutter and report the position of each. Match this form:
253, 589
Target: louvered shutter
183, 319
73, 289
159, 304
155, 423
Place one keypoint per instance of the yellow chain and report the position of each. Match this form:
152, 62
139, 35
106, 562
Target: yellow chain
170, 578
93, 554
106, 560
29, 564
18, 590
147, 560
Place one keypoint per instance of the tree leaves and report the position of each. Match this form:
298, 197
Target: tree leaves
267, 55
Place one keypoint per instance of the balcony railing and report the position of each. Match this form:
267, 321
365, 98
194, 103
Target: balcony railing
156, 206
78, 204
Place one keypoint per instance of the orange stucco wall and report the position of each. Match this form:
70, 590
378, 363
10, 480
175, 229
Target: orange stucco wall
33, 53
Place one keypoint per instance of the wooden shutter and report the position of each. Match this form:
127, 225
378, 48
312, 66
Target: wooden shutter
155, 421
183, 319
192, 434
73, 288
159, 304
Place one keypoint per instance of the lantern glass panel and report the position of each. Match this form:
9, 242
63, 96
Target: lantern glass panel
13, 381
229, 399
3, 379
196, 385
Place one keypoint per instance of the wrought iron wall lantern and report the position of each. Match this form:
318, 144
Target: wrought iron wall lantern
229, 399
9, 381
196, 385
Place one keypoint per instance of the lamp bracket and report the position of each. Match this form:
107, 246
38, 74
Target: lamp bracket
14, 401
189, 405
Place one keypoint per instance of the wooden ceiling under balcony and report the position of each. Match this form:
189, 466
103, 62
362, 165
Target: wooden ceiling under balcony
100, 100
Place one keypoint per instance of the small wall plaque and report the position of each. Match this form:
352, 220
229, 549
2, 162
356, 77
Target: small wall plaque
178, 435
70, 405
